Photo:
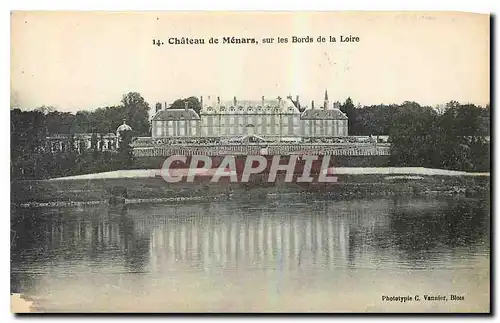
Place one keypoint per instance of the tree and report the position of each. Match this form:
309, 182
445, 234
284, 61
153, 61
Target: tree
28, 132
192, 101
125, 148
107, 119
59, 122
350, 110
486, 121
420, 136
82, 122
412, 136
45, 109
93, 145
136, 110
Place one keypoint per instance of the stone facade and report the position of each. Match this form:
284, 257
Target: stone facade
277, 119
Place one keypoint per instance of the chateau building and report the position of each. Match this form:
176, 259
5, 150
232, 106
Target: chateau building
276, 119
233, 128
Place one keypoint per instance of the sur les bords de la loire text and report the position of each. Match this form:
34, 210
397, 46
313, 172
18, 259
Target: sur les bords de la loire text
228, 40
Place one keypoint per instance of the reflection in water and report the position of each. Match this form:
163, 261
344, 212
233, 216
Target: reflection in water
304, 239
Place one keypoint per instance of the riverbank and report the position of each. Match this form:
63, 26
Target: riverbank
147, 186
151, 173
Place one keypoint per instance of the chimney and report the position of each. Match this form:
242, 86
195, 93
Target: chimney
201, 101
263, 101
297, 102
234, 101
166, 106
186, 105
327, 101
336, 105
158, 106
218, 100
312, 104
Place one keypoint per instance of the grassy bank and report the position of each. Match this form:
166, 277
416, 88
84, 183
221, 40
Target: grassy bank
151, 187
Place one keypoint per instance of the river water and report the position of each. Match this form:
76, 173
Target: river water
255, 254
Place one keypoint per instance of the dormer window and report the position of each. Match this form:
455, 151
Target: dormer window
240, 108
232, 109
223, 108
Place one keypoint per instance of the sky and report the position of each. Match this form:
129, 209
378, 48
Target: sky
84, 60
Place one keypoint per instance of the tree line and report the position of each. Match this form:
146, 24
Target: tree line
454, 136
31, 158
451, 137
463, 119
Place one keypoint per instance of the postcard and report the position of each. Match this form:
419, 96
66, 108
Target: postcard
250, 162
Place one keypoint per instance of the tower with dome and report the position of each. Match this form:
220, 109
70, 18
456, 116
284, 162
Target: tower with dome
122, 128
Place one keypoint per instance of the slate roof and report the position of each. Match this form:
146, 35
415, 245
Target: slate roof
319, 114
176, 114
269, 105
250, 103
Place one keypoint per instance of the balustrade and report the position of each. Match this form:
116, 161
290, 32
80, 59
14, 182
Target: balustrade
214, 150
